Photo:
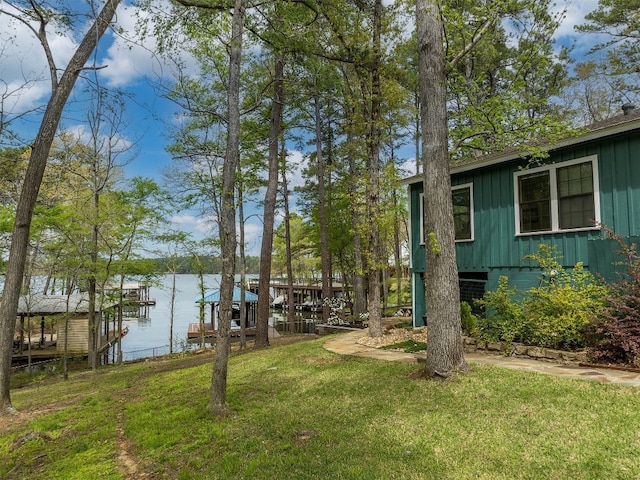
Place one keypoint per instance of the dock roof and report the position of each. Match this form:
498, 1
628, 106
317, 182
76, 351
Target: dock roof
214, 296
53, 304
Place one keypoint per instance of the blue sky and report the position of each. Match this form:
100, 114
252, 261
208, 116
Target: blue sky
134, 69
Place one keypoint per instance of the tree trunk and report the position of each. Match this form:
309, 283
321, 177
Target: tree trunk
92, 318
29, 194
291, 311
444, 332
397, 257
243, 266
93, 327
262, 331
172, 309
201, 291
385, 288
418, 137
218, 393
373, 187
359, 281
324, 250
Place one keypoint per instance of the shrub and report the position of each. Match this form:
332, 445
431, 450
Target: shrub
617, 327
556, 314
503, 314
468, 319
560, 313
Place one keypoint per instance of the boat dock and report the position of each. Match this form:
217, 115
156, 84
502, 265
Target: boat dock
136, 294
307, 294
39, 351
194, 334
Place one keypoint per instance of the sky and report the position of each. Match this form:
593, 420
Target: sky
133, 68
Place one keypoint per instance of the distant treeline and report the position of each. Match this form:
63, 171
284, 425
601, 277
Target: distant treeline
187, 265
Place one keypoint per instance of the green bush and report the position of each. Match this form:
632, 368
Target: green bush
555, 314
503, 314
468, 319
616, 330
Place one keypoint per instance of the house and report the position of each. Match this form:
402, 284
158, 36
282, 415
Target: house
504, 208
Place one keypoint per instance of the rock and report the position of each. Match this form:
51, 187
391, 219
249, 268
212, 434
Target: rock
552, 354
536, 352
521, 350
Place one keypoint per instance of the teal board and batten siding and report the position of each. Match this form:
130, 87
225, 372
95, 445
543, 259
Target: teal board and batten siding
497, 251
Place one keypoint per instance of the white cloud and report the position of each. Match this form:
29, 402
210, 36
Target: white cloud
408, 167
131, 57
575, 12
252, 236
204, 227
296, 160
192, 224
24, 63
114, 145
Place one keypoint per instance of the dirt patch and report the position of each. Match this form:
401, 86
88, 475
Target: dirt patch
127, 463
393, 336
302, 436
8, 422
420, 374
188, 360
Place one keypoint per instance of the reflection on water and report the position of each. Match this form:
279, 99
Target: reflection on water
149, 335
304, 322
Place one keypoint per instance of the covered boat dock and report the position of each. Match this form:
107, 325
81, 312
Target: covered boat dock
31, 339
307, 294
208, 330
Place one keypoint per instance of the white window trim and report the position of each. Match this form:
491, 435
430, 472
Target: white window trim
453, 187
470, 187
551, 168
421, 206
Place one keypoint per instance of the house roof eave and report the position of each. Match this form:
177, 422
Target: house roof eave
606, 128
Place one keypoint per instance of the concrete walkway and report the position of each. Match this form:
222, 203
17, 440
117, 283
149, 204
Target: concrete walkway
346, 344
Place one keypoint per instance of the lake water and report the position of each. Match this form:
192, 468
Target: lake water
150, 336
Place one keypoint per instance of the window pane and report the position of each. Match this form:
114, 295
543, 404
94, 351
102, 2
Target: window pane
535, 202
461, 198
463, 227
575, 196
534, 187
577, 212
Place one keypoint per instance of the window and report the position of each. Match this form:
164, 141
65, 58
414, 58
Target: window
575, 196
535, 202
462, 199
557, 197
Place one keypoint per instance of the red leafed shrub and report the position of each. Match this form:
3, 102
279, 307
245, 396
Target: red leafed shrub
617, 328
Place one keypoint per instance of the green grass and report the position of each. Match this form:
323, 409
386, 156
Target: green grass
408, 346
300, 412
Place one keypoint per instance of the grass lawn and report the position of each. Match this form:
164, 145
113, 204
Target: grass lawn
301, 412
